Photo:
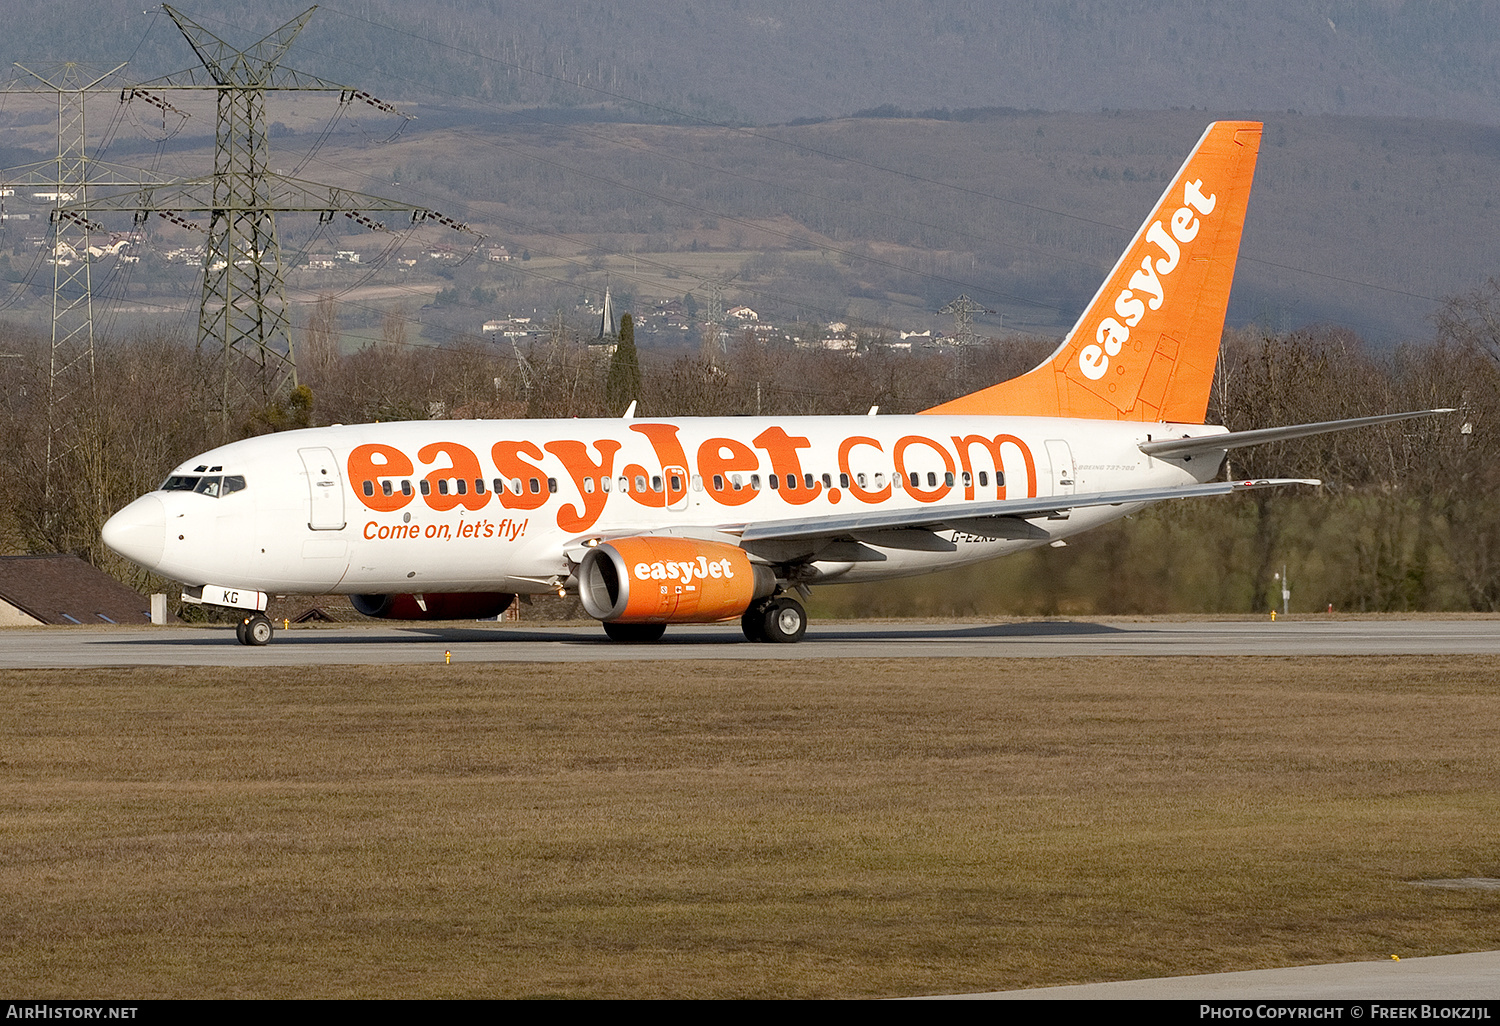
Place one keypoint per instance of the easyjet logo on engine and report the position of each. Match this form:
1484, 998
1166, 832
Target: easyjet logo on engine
672, 570
1147, 286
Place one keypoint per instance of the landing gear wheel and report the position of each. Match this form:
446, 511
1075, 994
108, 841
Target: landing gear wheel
635, 633
753, 623
239, 630
785, 621
256, 630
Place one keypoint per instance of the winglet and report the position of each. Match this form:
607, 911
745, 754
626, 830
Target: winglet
1146, 347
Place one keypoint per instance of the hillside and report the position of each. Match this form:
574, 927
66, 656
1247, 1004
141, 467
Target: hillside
764, 61
1366, 223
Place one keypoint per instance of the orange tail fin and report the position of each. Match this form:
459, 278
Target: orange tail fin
1146, 347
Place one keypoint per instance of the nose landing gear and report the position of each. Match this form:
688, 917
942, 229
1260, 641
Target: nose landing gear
254, 629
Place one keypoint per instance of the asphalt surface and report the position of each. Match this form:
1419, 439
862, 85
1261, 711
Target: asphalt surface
409, 643
1442, 978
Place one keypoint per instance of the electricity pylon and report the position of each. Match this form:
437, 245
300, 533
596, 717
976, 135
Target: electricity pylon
963, 310
243, 310
68, 177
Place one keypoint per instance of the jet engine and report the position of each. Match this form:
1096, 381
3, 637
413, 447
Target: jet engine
660, 579
461, 605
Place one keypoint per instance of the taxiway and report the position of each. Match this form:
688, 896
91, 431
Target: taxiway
23, 648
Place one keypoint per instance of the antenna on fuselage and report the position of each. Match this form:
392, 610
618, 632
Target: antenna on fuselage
629, 413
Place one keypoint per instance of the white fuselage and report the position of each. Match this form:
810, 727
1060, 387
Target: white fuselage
504, 506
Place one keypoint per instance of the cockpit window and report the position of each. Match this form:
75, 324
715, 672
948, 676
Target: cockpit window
211, 485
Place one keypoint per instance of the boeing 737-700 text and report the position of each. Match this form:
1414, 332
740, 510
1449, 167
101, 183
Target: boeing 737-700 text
653, 522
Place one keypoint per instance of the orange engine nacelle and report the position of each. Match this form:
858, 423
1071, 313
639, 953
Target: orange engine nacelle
657, 579
442, 606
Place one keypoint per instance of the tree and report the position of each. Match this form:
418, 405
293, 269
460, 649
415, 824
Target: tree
624, 382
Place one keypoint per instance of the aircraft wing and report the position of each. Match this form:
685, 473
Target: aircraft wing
976, 517
1168, 447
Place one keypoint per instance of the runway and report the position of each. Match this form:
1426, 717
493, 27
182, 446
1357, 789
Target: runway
1442, 978
41, 648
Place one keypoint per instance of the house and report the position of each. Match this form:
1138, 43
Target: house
63, 590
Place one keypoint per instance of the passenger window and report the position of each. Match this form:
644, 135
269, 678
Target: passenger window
426, 486
536, 486
932, 480
916, 480
588, 486
755, 482
406, 488
984, 479
827, 481
948, 479
697, 482
863, 481
897, 481
442, 486
999, 479
604, 483
968, 479
640, 484
879, 481
370, 488
624, 484
737, 481
499, 486
479, 486
718, 482
656, 482
515, 485
844, 481
676, 483
774, 481
551, 486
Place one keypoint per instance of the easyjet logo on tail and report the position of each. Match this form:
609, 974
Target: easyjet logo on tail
1147, 287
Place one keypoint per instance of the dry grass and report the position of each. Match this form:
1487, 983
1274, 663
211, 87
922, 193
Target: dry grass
727, 830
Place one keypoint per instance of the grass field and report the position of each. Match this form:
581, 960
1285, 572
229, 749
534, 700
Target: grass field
871, 828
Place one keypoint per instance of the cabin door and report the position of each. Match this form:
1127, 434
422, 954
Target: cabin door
325, 488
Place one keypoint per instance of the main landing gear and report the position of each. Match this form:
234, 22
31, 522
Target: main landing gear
254, 629
781, 620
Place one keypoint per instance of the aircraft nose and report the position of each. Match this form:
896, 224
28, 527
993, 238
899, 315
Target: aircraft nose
139, 531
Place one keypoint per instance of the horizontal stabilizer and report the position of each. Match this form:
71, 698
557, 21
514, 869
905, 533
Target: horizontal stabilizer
1192, 446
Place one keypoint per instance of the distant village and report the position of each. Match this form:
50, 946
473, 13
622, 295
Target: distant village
668, 321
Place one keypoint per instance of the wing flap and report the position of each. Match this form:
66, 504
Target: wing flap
975, 516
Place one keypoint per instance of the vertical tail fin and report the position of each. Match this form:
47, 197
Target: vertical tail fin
1146, 347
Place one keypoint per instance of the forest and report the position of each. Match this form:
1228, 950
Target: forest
1408, 518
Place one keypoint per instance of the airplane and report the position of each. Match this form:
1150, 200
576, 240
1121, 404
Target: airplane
654, 522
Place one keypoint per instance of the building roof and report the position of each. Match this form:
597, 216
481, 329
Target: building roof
66, 590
